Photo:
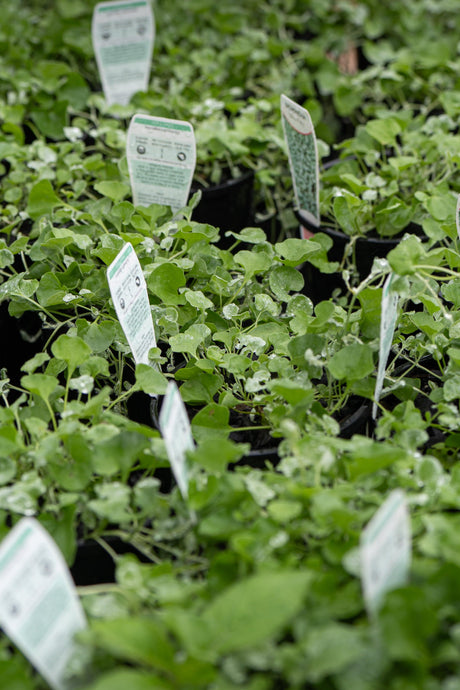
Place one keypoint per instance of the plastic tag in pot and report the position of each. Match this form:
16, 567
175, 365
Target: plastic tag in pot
123, 34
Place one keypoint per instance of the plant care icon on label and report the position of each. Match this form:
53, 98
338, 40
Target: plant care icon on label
161, 155
300, 138
123, 34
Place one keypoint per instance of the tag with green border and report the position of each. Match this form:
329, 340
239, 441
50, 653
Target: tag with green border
385, 550
387, 329
39, 607
123, 35
130, 299
457, 215
161, 155
177, 435
300, 138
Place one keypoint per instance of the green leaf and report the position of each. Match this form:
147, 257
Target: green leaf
345, 215
253, 262
404, 258
371, 308
15, 674
150, 380
250, 235
112, 502
284, 511
408, 622
35, 362
40, 384
367, 456
165, 281
352, 363
246, 614
392, 217
201, 388
99, 336
42, 200
212, 421
215, 453
254, 610
118, 453
140, 640
384, 131
331, 648
7, 470
50, 292
198, 300
62, 530
191, 339
73, 350
123, 678
114, 190
283, 280
294, 251
51, 122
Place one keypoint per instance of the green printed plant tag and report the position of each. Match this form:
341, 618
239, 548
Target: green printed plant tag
457, 215
161, 157
130, 299
385, 550
39, 607
387, 329
123, 34
177, 435
303, 157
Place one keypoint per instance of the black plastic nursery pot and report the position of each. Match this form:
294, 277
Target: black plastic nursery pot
228, 206
319, 285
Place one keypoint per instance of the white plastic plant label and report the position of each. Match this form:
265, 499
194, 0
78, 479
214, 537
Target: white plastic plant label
129, 294
299, 134
387, 329
385, 550
123, 34
457, 215
161, 157
39, 607
177, 434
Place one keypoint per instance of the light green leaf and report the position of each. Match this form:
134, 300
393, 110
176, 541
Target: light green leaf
212, 421
384, 131
254, 610
352, 363
113, 189
74, 351
215, 453
42, 200
165, 281
191, 339
294, 251
40, 384
123, 678
137, 639
253, 262
150, 380
283, 280
198, 300
406, 256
